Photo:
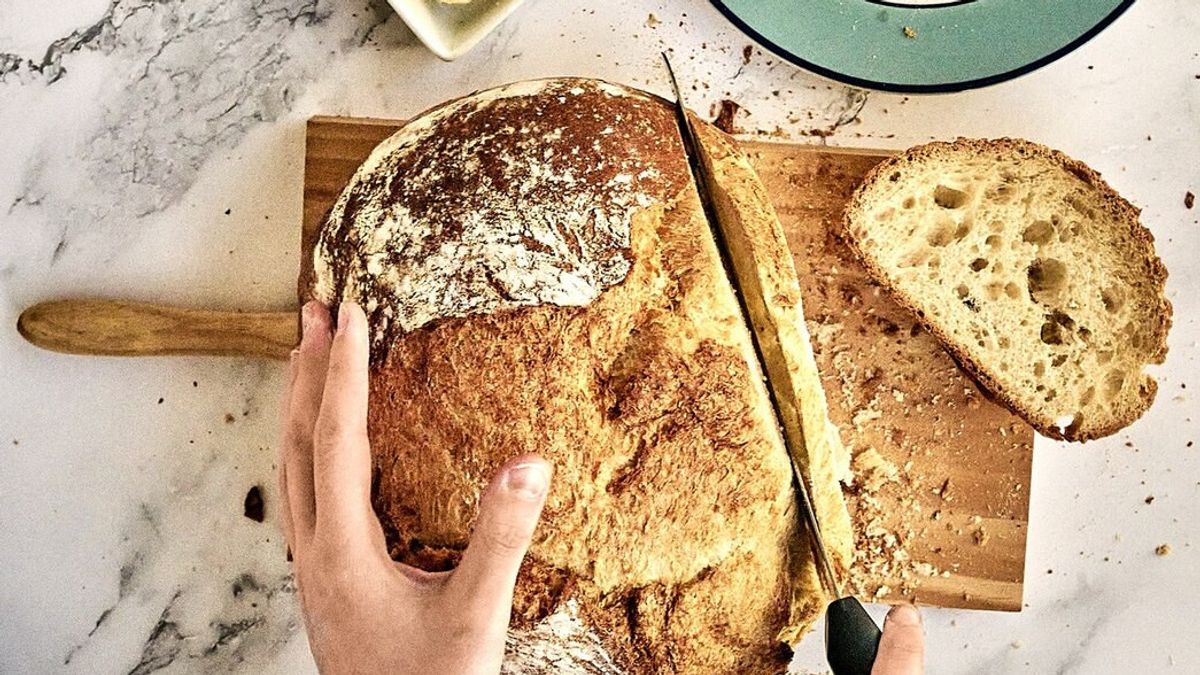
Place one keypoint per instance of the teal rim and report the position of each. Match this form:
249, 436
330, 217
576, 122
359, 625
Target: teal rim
930, 48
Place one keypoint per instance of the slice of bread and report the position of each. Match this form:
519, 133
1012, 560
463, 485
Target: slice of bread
768, 280
1035, 275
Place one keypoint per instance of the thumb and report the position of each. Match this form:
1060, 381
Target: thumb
508, 514
902, 647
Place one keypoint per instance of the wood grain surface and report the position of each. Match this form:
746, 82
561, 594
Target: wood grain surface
119, 328
948, 527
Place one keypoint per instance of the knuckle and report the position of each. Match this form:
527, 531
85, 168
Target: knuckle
333, 432
296, 434
505, 538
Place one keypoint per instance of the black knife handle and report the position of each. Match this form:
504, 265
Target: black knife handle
851, 638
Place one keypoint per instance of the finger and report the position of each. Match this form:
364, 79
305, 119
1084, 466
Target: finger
902, 647
311, 364
508, 514
285, 512
341, 452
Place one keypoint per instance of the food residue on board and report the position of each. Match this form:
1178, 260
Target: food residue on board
652, 21
1162, 549
1189, 199
910, 32
726, 111
746, 52
980, 536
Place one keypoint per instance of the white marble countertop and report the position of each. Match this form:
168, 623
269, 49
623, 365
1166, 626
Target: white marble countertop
153, 150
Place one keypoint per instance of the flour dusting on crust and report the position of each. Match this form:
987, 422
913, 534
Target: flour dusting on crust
516, 196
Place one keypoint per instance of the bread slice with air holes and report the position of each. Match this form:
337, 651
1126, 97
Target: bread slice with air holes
1035, 275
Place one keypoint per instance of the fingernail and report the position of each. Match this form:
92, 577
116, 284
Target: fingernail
904, 615
343, 315
528, 481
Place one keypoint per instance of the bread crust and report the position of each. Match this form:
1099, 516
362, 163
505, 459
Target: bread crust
1114, 204
768, 282
672, 495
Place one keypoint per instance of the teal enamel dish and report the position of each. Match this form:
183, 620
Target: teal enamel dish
921, 46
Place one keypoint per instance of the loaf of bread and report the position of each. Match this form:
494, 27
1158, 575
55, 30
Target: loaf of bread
540, 277
1031, 270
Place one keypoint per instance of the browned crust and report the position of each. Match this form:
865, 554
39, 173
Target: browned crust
455, 398
1112, 202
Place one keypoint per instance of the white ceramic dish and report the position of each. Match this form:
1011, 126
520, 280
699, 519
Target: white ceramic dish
449, 30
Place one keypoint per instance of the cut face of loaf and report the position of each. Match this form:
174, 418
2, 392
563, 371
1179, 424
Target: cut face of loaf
1032, 271
767, 278
540, 277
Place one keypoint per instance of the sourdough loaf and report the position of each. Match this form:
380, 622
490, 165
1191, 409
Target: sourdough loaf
1030, 269
540, 277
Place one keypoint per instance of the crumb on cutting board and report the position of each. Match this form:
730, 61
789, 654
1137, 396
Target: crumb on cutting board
910, 32
1162, 550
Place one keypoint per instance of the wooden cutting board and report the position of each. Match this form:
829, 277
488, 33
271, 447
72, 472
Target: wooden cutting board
943, 516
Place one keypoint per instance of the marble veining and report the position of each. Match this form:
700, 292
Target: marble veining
153, 150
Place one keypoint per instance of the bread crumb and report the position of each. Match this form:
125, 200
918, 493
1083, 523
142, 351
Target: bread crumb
1162, 550
981, 536
910, 32
1189, 199
652, 21
865, 415
252, 505
726, 111
746, 52
873, 470
1150, 499
944, 490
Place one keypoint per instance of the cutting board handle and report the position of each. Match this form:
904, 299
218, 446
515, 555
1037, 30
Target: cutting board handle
116, 328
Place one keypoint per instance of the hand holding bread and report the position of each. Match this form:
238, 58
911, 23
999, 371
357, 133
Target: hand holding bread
365, 613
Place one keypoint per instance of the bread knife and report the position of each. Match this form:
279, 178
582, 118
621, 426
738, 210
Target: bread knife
851, 636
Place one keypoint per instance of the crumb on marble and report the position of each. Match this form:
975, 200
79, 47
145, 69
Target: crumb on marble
1150, 499
1162, 550
652, 21
252, 506
746, 52
1189, 199
229, 418
726, 111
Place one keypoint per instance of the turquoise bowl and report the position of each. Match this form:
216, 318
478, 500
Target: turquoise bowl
930, 47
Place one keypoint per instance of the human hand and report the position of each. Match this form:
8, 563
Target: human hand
902, 647
365, 613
